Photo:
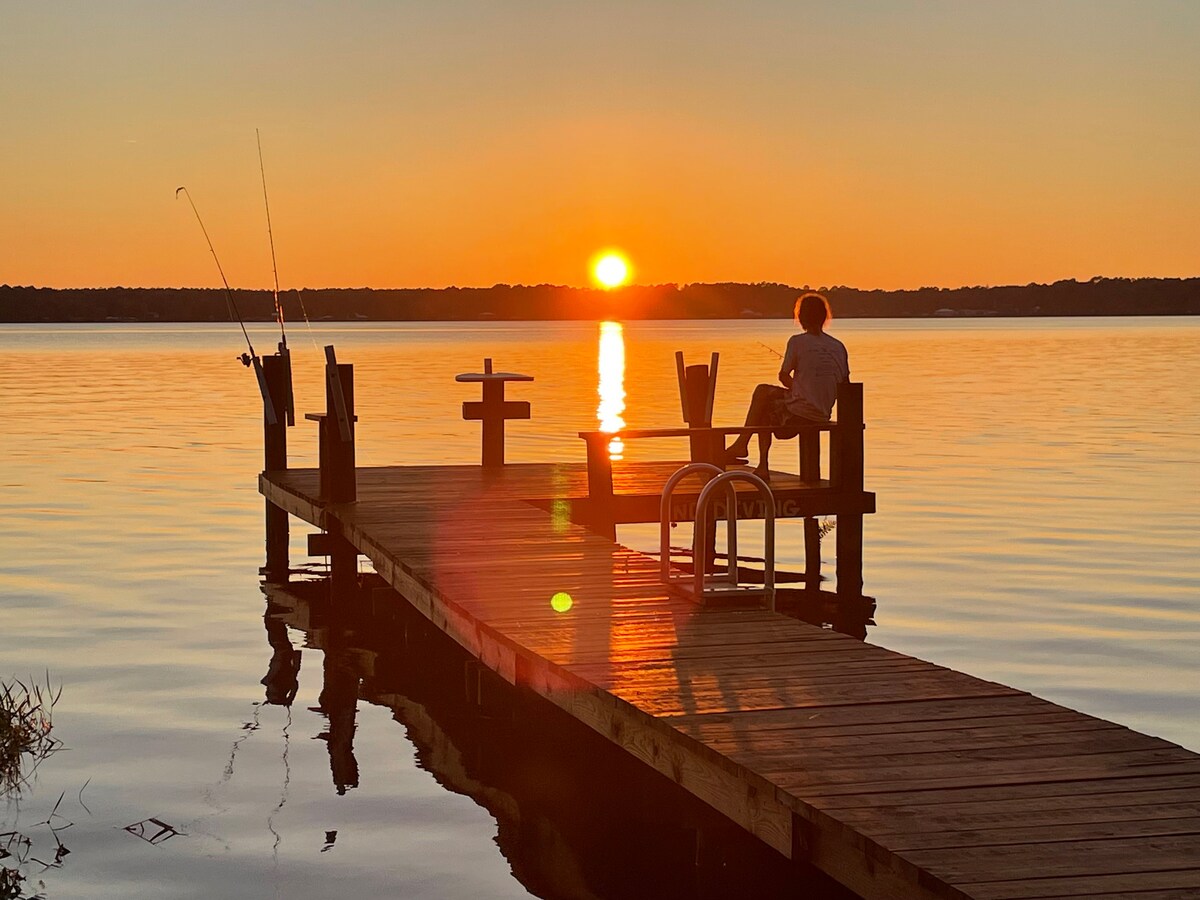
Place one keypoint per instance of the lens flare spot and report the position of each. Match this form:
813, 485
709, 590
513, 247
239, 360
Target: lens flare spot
561, 602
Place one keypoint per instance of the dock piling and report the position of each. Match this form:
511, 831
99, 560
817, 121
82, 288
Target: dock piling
812, 555
600, 486
846, 474
277, 377
343, 566
336, 448
338, 475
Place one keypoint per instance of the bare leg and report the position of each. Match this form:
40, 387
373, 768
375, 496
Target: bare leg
763, 469
758, 414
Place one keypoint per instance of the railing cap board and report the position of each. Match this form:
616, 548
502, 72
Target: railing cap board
634, 433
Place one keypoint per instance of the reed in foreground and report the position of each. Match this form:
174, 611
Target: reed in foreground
26, 723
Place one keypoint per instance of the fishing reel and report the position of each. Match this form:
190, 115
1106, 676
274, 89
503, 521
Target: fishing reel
246, 360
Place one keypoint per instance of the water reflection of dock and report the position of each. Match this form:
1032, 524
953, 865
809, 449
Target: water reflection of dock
897, 777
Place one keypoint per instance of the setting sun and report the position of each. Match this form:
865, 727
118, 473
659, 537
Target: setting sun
610, 269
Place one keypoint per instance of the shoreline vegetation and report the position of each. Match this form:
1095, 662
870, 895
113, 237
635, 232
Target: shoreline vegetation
544, 302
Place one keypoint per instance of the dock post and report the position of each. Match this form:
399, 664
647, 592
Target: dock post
601, 519
277, 374
338, 477
810, 455
343, 567
812, 555
337, 467
846, 472
493, 425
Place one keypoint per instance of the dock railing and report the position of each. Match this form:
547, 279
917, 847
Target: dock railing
845, 447
845, 480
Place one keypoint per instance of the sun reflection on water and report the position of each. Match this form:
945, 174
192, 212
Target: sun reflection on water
612, 384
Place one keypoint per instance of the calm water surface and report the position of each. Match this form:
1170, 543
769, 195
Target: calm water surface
1038, 512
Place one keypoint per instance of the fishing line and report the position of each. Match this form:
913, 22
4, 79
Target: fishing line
289, 400
229, 301
304, 312
251, 358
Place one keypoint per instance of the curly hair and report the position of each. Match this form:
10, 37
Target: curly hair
812, 311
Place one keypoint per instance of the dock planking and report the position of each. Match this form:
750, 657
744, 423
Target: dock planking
898, 777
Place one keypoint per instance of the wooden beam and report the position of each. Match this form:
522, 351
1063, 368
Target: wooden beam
473, 410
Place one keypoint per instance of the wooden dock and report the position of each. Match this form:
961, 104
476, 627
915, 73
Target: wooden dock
897, 777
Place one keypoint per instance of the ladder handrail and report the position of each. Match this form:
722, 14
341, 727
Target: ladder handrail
699, 545
664, 515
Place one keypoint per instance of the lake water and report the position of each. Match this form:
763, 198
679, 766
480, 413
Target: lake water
1038, 512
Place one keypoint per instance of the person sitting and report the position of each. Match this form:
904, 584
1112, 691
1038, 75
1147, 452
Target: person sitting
813, 366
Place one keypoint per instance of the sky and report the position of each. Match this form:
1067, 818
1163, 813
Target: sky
462, 142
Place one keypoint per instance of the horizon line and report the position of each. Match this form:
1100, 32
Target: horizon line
1095, 279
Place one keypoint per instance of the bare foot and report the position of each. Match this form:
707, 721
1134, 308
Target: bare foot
731, 457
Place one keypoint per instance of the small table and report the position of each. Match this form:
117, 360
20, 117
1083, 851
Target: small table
493, 410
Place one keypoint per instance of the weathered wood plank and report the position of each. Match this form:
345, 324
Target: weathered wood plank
1123, 857
1168, 885
1051, 790
1183, 822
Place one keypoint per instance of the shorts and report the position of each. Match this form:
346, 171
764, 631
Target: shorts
787, 423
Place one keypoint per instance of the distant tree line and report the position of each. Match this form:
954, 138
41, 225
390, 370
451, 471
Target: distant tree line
1097, 297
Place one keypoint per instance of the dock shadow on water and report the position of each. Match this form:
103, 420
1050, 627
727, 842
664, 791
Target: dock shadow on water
576, 818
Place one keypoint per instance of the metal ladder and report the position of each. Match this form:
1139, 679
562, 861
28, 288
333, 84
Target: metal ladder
699, 586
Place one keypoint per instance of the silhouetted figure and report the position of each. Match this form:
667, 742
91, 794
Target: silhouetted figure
813, 366
283, 674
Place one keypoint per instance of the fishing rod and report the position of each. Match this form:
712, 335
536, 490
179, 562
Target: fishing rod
262, 170
230, 303
769, 349
307, 321
289, 403
275, 271
247, 359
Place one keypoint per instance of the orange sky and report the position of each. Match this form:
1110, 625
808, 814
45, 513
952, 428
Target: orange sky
427, 144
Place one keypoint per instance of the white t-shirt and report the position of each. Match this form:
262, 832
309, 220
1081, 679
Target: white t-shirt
817, 364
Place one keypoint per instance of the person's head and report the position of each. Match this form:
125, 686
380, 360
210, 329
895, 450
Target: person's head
812, 311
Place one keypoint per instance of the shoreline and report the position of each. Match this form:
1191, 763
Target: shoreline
547, 303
